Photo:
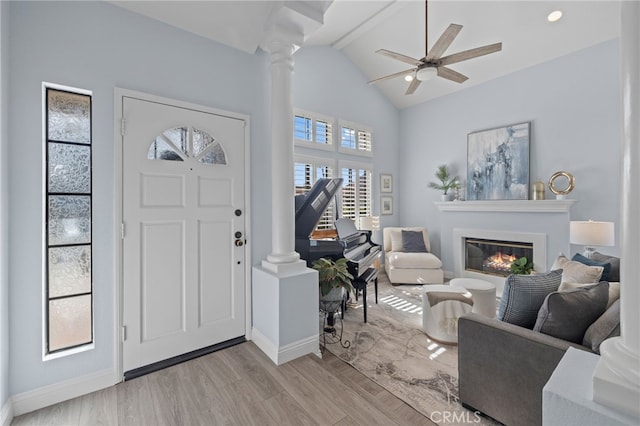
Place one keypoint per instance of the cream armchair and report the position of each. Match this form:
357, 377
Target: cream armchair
407, 257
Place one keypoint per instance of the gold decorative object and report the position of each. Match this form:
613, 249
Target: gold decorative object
538, 190
560, 193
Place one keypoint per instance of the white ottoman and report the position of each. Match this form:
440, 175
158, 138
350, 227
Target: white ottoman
483, 293
442, 305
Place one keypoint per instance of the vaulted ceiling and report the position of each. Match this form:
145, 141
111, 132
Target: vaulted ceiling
360, 27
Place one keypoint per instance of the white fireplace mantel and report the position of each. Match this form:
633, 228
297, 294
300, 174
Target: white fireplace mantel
511, 206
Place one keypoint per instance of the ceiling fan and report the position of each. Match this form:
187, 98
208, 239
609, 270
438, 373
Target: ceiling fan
433, 63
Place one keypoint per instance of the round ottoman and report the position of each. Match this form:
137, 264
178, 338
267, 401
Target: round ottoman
483, 293
442, 305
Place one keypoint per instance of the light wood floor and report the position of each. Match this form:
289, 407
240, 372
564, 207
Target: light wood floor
238, 386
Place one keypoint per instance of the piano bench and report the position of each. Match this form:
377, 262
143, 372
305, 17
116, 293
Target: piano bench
362, 282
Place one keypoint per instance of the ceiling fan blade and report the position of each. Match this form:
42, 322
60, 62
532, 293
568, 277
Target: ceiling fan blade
469, 54
452, 75
390, 76
413, 86
443, 43
399, 57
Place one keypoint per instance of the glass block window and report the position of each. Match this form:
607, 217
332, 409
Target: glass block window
356, 191
306, 172
313, 130
355, 139
68, 204
179, 143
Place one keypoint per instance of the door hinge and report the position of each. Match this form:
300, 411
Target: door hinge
122, 230
122, 126
123, 333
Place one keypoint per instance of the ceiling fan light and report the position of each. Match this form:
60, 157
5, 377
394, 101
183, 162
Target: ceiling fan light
408, 77
426, 73
554, 16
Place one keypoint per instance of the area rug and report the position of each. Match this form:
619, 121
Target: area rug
393, 350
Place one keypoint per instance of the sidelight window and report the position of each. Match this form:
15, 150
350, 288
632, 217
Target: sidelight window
68, 213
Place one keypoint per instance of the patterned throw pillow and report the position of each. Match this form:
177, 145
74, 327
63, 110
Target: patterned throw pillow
413, 242
567, 315
524, 294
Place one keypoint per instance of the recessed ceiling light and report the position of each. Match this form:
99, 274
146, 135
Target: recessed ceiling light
408, 77
554, 16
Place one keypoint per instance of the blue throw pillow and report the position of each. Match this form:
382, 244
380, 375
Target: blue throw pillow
606, 271
524, 294
413, 242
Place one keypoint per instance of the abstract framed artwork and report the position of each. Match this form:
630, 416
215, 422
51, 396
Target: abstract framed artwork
498, 163
386, 205
386, 183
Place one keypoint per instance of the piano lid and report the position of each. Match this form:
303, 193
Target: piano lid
311, 206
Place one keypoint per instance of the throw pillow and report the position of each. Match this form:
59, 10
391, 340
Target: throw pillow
523, 295
413, 242
614, 290
608, 325
396, 239
606, 267
567, 315
614, 274
576, 272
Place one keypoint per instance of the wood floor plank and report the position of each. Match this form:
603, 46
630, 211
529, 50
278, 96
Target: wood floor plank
237, 386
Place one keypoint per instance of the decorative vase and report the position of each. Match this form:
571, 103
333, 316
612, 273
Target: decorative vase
447, 197
331, 301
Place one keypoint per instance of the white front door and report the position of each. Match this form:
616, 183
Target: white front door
184, 225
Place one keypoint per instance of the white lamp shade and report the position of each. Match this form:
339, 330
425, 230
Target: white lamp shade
591, 233
369, 223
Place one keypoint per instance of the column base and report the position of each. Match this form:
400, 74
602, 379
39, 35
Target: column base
282, 269
616, 380
277, 259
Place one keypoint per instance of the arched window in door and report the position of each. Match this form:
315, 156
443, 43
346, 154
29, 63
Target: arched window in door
180, 143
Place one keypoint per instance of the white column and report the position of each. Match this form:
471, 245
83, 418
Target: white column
616, 381
282, 185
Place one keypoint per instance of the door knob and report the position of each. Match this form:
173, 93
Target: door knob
239, 243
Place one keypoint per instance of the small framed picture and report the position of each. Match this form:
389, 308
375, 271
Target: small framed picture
386, 183
386, 205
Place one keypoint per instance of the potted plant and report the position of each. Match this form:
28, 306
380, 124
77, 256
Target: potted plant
521, 266
446, 183
334, 280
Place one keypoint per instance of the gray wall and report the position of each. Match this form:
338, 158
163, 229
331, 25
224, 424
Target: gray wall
98, 46
327, 82
574, 110
4, 196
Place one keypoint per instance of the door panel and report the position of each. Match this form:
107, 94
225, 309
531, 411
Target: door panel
183, 275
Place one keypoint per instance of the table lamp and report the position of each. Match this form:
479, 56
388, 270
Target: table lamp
590, 234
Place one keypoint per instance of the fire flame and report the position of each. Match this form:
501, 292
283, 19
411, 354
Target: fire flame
500, 261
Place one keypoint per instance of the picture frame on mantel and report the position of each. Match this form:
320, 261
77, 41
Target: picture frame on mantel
386, 183
386, 205
498, 163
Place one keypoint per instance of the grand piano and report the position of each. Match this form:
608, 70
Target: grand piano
348, 242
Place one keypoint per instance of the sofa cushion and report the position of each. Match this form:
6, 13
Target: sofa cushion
576, 272
523, 295
413, 260
614, 274
614, 290
413, 242
567, 315
606, 326
606, 267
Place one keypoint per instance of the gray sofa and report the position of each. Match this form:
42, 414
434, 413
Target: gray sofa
502, 367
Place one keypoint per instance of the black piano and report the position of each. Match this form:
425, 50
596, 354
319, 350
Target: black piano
353, 244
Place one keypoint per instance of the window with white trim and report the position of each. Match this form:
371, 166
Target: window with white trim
356, 190
306, 171
68, 220
355, 139
313, 130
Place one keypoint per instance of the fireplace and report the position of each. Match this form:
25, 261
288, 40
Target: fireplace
492, 256
480, 248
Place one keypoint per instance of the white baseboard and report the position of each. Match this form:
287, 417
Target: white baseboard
283, 354
6, 415
48, 395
